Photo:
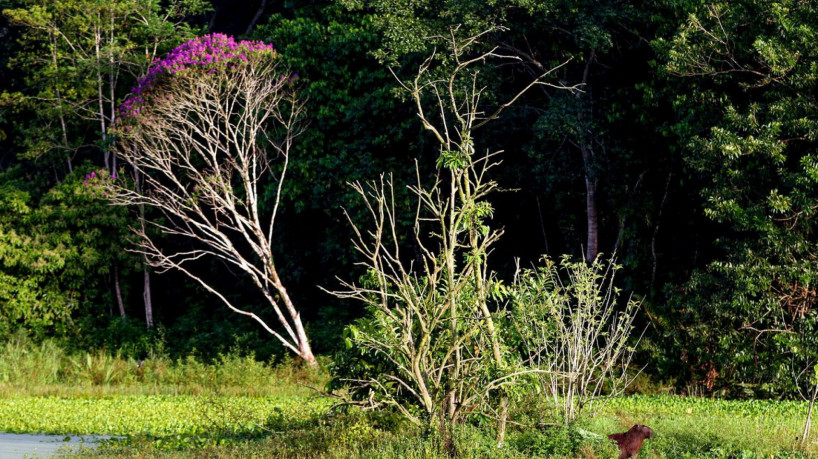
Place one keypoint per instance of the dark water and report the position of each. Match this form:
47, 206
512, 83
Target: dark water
19, 446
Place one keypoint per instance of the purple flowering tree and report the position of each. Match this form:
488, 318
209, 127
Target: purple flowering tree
208, 129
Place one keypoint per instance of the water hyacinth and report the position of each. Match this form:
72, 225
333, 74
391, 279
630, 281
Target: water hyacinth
208, 53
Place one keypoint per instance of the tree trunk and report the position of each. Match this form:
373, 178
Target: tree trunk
584, 142
656, 232
58, 95
118, 291
503, 421
146, 273
542, 227
257, 16
100, 98
146, 295
592, 244
113, 74
304, 350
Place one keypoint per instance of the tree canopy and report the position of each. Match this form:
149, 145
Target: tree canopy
687, 150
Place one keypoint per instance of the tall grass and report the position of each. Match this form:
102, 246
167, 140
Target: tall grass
29, 368
22, 361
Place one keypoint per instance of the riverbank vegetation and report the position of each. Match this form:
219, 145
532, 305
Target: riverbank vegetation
237, 406
465, 225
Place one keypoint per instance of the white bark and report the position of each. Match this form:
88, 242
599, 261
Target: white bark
201, 145
146, 295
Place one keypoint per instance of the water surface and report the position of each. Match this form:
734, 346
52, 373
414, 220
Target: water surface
20, 446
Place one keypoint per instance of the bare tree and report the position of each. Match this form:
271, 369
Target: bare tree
207, 141
433, 319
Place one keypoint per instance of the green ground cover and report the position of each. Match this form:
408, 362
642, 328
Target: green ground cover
236, 406
689, 427
303, 426
155, 415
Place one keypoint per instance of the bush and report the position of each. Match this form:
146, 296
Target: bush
573, 330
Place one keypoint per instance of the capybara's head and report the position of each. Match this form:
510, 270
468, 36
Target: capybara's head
644, 431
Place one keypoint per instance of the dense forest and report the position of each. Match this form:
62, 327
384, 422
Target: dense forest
677, 135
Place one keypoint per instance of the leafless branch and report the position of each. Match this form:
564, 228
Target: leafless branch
202, 143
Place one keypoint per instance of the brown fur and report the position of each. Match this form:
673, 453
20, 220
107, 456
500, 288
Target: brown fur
630, 442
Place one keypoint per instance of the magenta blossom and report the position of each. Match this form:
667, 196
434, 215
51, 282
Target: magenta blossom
208, 52
98, 180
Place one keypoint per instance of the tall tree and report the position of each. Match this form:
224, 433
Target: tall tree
587, 150
432, 318
202, 130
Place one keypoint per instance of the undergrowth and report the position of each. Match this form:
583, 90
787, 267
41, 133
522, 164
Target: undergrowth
45, 369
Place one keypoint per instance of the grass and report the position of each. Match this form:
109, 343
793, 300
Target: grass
237, 407
46, 370
699, 427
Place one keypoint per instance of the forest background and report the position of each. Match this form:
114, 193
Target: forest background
689, 153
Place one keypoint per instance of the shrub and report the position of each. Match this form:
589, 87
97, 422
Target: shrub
573, 332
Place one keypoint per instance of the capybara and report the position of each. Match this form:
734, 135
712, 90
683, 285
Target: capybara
630, 442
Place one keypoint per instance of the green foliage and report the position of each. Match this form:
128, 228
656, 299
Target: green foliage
56, 254
69, 64
571, 327
21, 360
78, 55
98, 368
410, 27
154, 415
754, 64
554, 441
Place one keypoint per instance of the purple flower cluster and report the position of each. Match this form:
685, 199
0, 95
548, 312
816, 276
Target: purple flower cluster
97, 181
207, 52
